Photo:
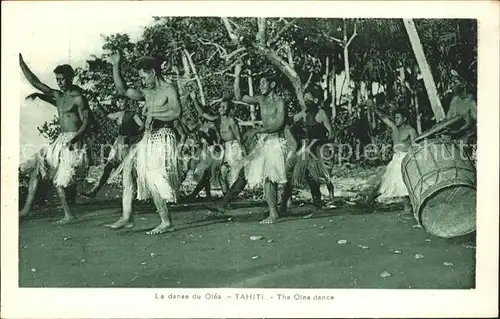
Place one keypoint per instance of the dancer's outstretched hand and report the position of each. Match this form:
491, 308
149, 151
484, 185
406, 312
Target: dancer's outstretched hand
32, 96
114, 58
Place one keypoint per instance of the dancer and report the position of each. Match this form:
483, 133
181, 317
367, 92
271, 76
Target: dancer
314, 125
130, 127
205, 165
66, 158
93, 127
391, 184
269, 159
154, 158
265, 164
226, 125
306, 166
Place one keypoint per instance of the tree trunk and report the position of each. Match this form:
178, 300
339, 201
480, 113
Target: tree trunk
333, 90
417, 112
324, 79
250, 90
347, 78
346, 66
429, 83
185, 66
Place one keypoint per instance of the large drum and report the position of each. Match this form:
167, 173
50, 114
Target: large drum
441, 182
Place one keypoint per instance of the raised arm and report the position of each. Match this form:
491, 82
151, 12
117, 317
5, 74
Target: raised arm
385, 119
120, 84
237, 91
199, 110
83, 112
174, 107
32, 78
43, 97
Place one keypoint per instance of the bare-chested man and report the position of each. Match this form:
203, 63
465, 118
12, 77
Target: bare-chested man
403, 137
66, 158
154, 158
265, 164
463, 105
226, 125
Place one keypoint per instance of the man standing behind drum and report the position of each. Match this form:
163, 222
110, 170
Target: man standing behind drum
464, 106
403, 136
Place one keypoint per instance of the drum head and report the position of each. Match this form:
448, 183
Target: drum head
451, 212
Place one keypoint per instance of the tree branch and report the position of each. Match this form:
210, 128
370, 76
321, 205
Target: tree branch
261, 34
280, 32
289, 55
308, 81
197, 77
354, 34
234, 24
211, 57
219, 48
223, 71
230, 55
286, 69
321, 33
229, 28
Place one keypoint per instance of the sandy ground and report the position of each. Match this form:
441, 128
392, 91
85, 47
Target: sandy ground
296, 253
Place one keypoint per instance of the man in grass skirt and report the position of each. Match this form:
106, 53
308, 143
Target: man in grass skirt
306, 166
65, 159
154, 158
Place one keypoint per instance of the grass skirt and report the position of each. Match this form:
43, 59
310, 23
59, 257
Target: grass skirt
209, 159
266, 161
119, 150
154, 160
392, 182
233, 158
62, 163
307, 163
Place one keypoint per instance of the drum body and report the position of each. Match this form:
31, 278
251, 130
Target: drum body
441, 182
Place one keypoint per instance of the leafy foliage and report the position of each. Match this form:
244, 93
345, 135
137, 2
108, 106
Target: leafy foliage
380, 47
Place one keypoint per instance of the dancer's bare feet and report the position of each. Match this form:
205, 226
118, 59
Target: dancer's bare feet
122, 223
269, 220
161, 229
66, 220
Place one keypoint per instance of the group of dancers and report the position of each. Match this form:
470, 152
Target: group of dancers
149, 153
